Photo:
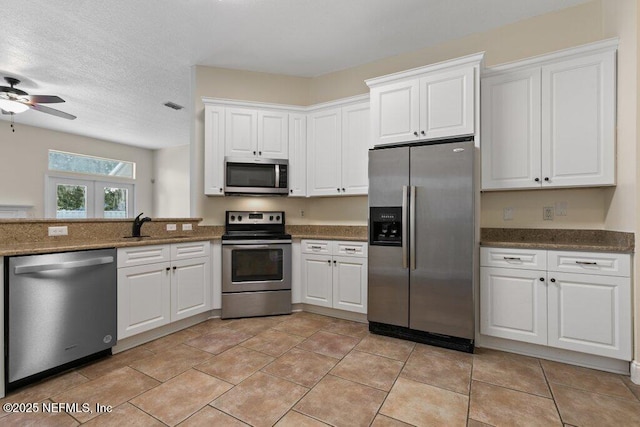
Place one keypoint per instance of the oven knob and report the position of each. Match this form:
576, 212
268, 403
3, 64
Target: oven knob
239, 217
278, 218
233, 217
270, 217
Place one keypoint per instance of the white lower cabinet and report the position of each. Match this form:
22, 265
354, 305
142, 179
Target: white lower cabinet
334, 274
161, 284
577, 301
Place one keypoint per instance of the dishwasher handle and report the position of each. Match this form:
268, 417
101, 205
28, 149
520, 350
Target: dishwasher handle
26, 269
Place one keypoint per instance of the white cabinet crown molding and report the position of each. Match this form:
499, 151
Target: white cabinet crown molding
285, 107
463, 61
544, 59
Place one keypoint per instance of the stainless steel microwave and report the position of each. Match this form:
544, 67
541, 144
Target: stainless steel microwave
256, 176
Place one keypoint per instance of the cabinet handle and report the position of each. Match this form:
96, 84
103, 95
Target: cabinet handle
254, 153
546, 178
168, 268
415, 133
334, 262
338, 189
291, 191
422, 132
537, 180
586, 263
329, 261
553, 280
542, 279
343, 190
316, 247
174, 268
512, 258
221, 190
259, 153
350, 250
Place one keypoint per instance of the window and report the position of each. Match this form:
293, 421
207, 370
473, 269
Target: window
90, 165
77, 194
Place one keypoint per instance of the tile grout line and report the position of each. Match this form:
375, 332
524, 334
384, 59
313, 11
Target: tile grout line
553, 397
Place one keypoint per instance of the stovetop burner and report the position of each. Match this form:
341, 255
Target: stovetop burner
245, 225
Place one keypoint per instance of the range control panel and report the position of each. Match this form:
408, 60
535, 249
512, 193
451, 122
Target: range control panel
248, 217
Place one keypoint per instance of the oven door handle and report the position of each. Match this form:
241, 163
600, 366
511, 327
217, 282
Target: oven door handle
252, 243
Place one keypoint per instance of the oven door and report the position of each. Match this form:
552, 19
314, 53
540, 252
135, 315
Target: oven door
256, 267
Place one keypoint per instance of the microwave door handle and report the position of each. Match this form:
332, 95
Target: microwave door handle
277, 176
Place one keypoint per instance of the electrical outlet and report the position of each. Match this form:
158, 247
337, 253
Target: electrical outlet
187, 227
561, 208
58, 231
301, 213
171, 227
547, 213
507, 214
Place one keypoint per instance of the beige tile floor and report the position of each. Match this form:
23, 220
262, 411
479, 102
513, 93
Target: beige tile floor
310, 370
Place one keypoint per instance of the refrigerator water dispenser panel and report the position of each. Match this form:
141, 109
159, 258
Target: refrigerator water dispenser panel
386, 226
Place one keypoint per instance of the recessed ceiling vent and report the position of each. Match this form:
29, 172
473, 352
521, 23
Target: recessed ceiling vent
173, 105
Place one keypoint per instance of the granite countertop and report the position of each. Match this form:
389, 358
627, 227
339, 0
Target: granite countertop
356, 233
558, 239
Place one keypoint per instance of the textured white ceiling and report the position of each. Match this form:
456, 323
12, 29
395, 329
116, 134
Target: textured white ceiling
117, 62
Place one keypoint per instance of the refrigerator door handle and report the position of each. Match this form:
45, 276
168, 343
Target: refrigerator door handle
412, 227
404, 225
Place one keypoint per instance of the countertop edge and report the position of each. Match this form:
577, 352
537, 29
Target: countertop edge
559, 247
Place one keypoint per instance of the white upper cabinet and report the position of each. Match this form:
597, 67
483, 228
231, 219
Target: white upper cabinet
550, 121
256, 133
337, 150
213, 150
297, 154
437, 101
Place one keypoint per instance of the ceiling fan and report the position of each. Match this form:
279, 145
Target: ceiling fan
13, 101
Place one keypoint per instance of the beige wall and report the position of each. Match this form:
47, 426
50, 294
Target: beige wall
171, 182
24, 163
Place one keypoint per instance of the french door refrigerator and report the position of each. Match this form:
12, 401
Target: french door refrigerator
422, 242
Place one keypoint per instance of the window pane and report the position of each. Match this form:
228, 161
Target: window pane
115, 202
71, 162
71, 201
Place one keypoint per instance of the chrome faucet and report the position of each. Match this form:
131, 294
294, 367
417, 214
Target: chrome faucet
137, 224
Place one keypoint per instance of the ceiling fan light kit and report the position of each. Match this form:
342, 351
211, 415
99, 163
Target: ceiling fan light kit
14, 101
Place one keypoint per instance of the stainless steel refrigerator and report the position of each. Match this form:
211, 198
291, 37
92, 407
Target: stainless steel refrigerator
422, 243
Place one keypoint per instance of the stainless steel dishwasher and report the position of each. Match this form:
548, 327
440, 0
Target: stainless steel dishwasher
59, 308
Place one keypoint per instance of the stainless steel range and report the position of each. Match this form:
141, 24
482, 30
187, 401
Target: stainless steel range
256, 265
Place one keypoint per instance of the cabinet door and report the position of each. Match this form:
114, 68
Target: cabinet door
190, 287
273, 135
144, 298
350, 283
355, 148
578, 121
324, 135
591, 314
241, 133
316, 280
213, 150
447, 103
511, 130
513, 304
297, 154
395, 115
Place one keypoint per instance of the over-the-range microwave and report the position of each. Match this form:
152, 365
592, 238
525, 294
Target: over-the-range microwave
256, 176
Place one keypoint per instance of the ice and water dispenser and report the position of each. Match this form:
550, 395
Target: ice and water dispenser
385, 226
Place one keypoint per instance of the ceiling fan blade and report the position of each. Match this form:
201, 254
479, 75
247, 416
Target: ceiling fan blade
42, 99
52, 111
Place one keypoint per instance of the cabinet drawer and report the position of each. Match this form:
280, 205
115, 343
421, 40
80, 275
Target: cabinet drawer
316, 247
606, 264
190, 250
358, 249
139, 255
513, 258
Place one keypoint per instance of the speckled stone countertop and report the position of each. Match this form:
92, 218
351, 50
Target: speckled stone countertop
356, 233
30, 236
558, 239
25, 237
